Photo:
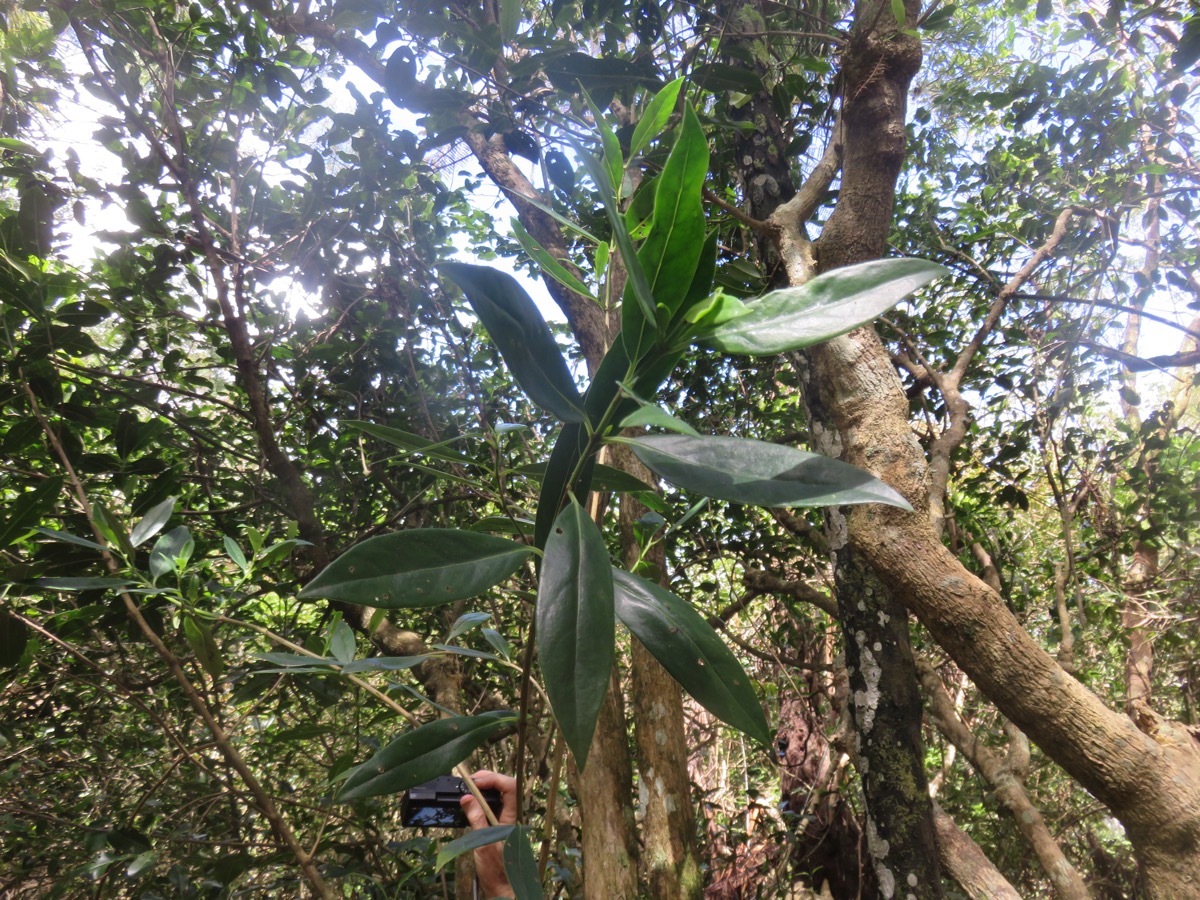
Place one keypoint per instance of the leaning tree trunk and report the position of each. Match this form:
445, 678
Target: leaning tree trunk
885, 701
1146, 771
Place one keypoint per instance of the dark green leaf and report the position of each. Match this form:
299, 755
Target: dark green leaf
575, 629
235, 553
470, 841
112, 529
27, 509
549, 265
724, 77
520, 865
416, 568
520, 333
419, 755
14, 636
69, 538
687, 647
759, 473
604, 478
829, 305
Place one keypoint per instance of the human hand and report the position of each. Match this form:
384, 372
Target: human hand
489, 860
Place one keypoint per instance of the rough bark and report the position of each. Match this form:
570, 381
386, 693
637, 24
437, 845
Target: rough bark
966, 863
604, 788
670, 860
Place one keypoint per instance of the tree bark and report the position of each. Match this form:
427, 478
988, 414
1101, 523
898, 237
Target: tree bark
966, 863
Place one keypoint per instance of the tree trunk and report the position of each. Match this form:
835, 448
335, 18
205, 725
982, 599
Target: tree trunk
670, 859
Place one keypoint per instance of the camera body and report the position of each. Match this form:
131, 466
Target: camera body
435, 804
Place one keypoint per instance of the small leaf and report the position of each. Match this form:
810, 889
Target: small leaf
759, 473
172, 549
655, 118
522, 336
466, 622
382, 664
470, 841
235, 553
655, 416
419, 755
496, 639
417, 568
141, 863
550, 266
152, 523
687, 647
829, 305
898, 12
342, 644
112, 529
575, 629
520, 865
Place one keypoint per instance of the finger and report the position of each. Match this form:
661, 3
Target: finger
475, 815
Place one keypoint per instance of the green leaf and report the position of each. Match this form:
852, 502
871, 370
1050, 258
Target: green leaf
496, 639
171, 550
548, 263
653, 415
898, 12
408, 441
510, 19
417, 568
655, 118
419, 755
829, 305
342, 644
83, 583
235, 553
719, 76
520, 865
521, 335
112, 529
382, 664
759, 473
200, 639
471, 841
575, 627
14, 636
466, 622
141, 863
687, 647
672, 250
67, 538
27, 509
152, 523
604, 478
637, 284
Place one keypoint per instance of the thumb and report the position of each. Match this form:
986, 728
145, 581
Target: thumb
474, 814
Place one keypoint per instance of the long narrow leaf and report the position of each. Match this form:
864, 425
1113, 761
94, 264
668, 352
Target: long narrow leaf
575, 626
418, 568
694, 654
520, 865
829, 305
419, 755
522, 336
758, 473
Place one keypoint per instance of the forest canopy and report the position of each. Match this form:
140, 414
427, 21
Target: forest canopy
767, 430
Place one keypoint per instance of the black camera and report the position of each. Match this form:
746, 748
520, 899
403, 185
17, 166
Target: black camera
435, 804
